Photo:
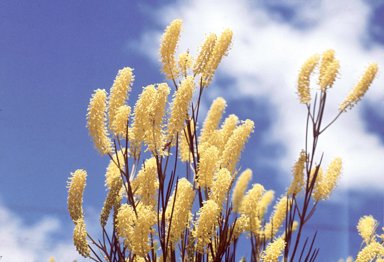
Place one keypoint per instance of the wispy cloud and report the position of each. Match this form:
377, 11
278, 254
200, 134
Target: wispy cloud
266, 57
20, 242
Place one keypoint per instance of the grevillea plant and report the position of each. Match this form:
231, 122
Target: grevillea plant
163, 210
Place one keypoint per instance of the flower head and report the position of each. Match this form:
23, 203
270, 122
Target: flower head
181, 210
325, 184
180, 106
361, 88
304, 76
206, 224
146, 183
274, 250
366, 228
97, 122
141, 119
120, 122
277, 217
240, 187
298, 175
222, 45
328, 70
75, 194
250, 207
119, 93
221, 186
212, 119
235, 145
370, 252
207, 166
184, 63
205, 52
80, 238
264, 202
168, 49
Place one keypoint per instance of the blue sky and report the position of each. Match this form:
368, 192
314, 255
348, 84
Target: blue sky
54, 54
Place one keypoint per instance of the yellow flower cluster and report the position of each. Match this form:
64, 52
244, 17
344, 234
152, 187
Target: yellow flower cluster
179, 108
206, 224
114, 182
366, 228
361, 88
212, 120
168, 48
80, 238
240, 187
207, 166
179, 210
250, 208
134, 228
220, 186
298, 175
148, 118
75, 194
146, 183
221, 48
120, 123
184, 63
277, 217
370, 252
328, 70
97, 122
273, 251
205, 53
325, 184
235, 145
265, 201
304, 77
119, 93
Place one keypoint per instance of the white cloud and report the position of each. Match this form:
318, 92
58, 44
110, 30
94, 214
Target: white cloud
265, 61
20, 242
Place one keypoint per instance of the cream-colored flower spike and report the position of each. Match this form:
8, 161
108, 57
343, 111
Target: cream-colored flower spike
298, 175
75, 194
119, 93
240, 187
220, 186
265, 201
325, 184
212, 120
179, 108
366, 228
146, 183
361, 88
207, 166
184, 63
277, 217
97, 122
221, 48
181, 215
304, 77
141, 122
80, 238
274, 250
206, 224
168, 49
327, 58
235, 145
370, 252
120, 122
205, 51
